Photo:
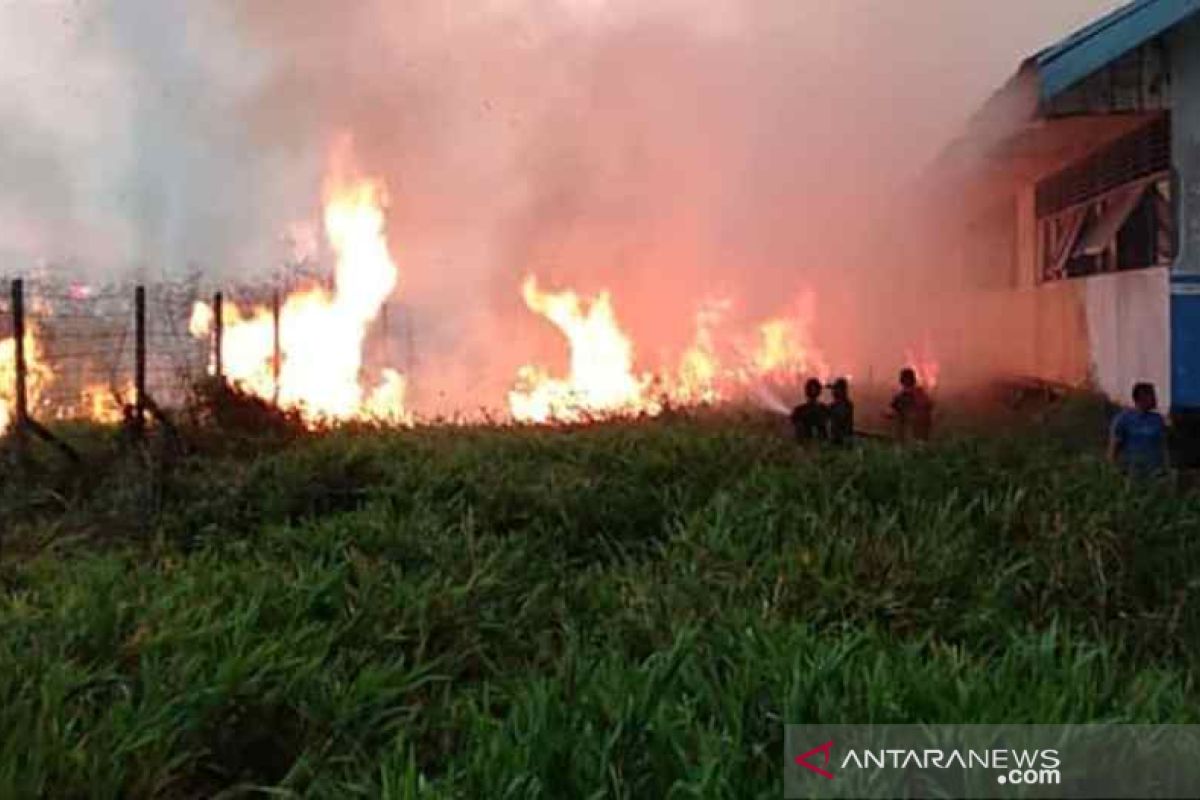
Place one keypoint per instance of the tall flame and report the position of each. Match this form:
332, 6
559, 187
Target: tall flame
785, 348
37, 376
601, 377
700, 375
322, 333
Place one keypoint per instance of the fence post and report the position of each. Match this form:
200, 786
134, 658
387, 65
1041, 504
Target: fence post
276, 353
21, 423
24, 423
139, 366
218, 336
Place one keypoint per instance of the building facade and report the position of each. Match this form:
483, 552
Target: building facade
1078, 187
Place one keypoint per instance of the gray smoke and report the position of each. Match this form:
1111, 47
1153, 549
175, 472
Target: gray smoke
671, 151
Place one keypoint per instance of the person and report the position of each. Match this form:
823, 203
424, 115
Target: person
912, 408
841, 413
1138, 438
811, 418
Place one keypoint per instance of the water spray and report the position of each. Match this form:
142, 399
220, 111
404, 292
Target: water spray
768, 399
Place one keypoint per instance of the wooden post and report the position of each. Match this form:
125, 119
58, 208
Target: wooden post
139, 366
218, 336
20, 425
276, 354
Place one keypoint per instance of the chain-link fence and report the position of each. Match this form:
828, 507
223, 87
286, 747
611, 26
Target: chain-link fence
88, 345
75, 351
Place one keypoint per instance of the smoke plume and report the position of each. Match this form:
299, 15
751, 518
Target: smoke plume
672, 152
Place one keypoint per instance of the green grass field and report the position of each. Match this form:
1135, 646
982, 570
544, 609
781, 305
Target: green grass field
631, 609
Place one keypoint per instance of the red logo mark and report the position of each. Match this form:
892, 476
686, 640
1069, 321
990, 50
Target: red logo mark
802, 759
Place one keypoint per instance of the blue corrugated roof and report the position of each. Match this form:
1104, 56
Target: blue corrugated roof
1107, 39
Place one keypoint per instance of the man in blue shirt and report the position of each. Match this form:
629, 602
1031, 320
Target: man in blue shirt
1139, 435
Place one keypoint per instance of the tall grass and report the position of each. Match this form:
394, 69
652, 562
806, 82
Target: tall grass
622, 610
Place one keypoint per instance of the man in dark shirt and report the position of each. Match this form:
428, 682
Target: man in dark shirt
1138, 441
811, 418
841, 413
912, 408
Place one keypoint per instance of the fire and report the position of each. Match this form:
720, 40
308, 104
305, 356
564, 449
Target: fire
37, 376
785, 348
386, 401
322, 333
100, 403
7, 371
601, 378
700, 374
202, 320
97, 402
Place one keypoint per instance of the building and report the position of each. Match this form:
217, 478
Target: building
1077, 190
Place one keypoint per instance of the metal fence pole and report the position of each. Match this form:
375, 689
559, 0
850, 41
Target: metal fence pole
139, 367
218, 336
21, 423
24, 423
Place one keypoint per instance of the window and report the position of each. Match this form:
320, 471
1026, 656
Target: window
1131, 227
1111, 212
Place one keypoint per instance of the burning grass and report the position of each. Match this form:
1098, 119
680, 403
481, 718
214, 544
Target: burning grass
632, 608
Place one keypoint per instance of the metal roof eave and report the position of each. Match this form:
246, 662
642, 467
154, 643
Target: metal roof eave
1092, 48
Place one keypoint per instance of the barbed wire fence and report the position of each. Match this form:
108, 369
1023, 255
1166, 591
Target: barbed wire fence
116, 352
111, 353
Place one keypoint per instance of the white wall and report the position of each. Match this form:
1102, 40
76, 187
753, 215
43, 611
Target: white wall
1113, 328
1129, 330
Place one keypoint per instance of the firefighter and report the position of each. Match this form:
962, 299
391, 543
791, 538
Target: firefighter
810, 419
1138, 437
912, 408
841, 413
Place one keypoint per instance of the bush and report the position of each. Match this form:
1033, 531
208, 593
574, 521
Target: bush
633, 608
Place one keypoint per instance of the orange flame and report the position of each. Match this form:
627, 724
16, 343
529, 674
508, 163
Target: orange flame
699, 376
37, 376
321, 333
601, 378
785, 348
96, 402
100, 403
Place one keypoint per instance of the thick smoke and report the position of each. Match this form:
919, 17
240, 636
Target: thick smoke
672, 152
